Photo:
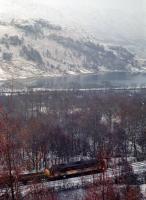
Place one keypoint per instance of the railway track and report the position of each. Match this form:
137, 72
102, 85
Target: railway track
30, 179
40, 177
56, 173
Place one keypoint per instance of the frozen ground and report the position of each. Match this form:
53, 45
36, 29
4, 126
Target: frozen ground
74, 187
74, 184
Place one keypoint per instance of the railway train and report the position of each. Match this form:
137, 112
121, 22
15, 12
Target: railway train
78, 167
58, 172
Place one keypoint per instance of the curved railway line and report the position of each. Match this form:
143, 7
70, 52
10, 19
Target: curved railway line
139, 168
76, 179
57, 172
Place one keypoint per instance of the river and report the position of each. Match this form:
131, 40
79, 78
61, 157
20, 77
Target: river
88, 81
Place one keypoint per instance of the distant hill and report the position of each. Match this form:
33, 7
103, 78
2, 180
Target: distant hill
31, 48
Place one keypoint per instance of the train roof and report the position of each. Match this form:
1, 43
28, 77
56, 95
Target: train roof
75, 164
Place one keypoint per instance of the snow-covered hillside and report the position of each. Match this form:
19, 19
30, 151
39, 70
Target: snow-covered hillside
30, 48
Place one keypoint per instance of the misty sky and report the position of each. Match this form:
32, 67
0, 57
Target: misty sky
94, 15
33, 7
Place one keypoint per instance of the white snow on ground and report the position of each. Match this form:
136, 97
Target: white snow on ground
143, 190
58, 185
139, 167
71, 183
3, 75
86, 71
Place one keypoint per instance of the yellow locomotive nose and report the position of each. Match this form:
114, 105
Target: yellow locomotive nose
47, 172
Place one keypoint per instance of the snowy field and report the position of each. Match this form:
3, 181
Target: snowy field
74, 186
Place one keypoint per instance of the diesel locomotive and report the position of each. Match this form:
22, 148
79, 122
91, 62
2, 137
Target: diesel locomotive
74, 168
